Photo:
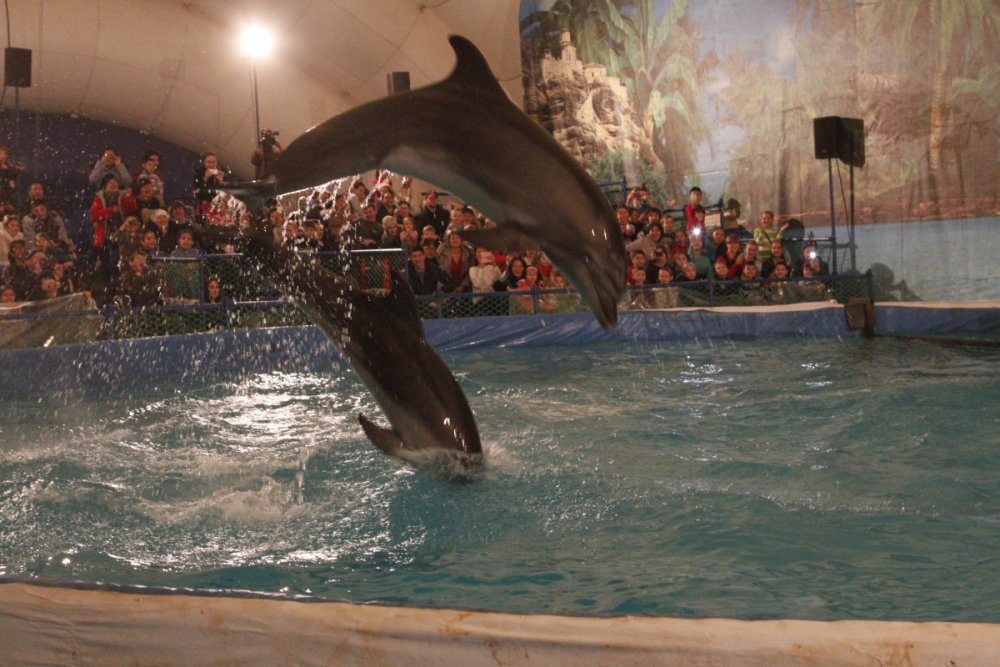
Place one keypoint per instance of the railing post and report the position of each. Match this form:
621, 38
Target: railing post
711, 289
439, 298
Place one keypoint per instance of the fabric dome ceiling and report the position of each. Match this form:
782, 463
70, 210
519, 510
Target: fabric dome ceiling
175, 69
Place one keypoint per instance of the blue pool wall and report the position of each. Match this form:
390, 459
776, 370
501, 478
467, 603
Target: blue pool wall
231, 354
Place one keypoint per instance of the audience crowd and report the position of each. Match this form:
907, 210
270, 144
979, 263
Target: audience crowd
143, 249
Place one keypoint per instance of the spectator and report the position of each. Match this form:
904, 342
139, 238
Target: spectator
720, 269
658, 261
357, 200
148, 170
47, 288
42, 219
665, 295
637, 271
367, 232
182, 277
776, 289
408, 236
777, 255
455, 258
109, 164
679, 245
402, 211
36, 193
8, 177
313, 236
732, 257
716, 243
765, 234
810, 255
10, 232
333, 235
140, 284
750, 255
386, 204
127, 239
390, 232
262, 163
213, 290
429, 235
485, 273
648, 240
563, 302
697, 256
276, 220
19, 274
694, 212
167, 231
54, 252
688, 274
107, 212
293, 238
208, 177
147, 201
426, 277
544, 265
7, 295
512, 276
433, 214
149, 244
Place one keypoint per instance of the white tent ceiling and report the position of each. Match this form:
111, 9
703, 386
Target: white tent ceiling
174, 68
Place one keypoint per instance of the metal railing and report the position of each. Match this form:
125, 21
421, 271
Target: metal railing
114, 322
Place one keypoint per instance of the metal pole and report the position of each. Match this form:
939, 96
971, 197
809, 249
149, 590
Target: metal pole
850, 230
833, 217
256, 101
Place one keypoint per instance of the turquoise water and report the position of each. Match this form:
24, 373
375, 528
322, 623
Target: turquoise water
753, 479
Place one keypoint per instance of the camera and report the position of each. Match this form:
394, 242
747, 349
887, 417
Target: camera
267, 138
696, 231
812, 254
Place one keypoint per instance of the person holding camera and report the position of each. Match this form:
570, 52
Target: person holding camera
110, 164
208, 177
268, 150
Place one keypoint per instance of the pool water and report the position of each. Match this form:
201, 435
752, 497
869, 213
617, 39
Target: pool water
820, 479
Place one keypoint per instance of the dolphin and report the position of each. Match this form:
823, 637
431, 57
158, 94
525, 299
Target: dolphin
464, 134
382, 338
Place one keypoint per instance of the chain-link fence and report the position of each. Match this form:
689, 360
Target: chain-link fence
250, 301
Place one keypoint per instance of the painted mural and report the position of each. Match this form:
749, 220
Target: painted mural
723, 94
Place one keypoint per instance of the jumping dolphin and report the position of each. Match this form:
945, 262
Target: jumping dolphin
382, 338
464, 134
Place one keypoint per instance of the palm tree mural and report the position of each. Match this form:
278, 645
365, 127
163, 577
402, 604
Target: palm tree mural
939, 40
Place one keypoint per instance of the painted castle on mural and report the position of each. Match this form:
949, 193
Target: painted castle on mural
589, 112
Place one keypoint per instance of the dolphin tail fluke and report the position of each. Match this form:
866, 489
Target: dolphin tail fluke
385, 439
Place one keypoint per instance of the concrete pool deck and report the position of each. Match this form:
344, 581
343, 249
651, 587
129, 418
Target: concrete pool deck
45, 624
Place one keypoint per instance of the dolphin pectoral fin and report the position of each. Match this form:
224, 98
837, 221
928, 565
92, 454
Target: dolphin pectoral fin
401, 301
508, 236
385, 439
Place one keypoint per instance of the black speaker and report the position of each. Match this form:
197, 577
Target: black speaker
398, 82
843, 138
852, 141
17, 67
826, 131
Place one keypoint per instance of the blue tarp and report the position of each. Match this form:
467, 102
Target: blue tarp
206, 357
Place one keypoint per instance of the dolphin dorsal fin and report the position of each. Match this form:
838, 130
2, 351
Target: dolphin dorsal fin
401, 301
472, 70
